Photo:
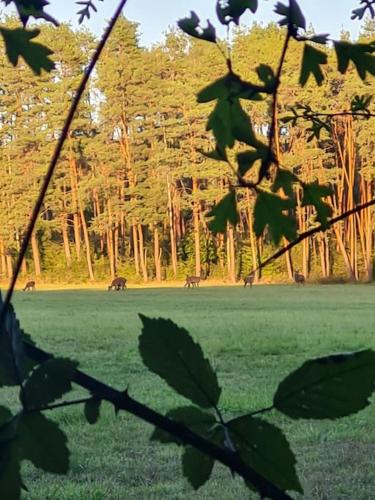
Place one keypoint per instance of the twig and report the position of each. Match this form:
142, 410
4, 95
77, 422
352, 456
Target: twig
56, 155
313, 231
122, 401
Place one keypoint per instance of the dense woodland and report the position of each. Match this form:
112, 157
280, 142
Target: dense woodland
132, 190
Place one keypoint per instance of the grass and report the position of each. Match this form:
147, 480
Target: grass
252, 337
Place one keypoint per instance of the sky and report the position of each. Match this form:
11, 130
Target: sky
155, 16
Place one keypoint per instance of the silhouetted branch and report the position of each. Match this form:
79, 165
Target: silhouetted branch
122, 401
313, 231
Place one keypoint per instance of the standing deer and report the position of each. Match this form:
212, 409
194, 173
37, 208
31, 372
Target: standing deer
193, 281
29, 287
299, 278
118, 284
249, 280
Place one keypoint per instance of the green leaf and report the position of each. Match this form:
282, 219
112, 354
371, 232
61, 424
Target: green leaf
360, 54
219, 122
311, 62
196, 466
18, 44
312, 195
216, 154
267, 76
242, 129
190, 25
92, 410
10, 471
195, 419
232, 10
247, 159
329, 387
43, 443
170, 352
49, 381
32, 8
285, 180
13, 363
225, 211
231, 86
292, 15
264, 447
269, 211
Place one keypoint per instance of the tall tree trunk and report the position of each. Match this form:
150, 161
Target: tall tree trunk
172, 231
157, 254
196, 217
135, 247
36, 255
81, 214
65, 237
231, 256
3, 262
142, 253
9, 265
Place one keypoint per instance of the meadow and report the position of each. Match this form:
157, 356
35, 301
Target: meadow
253, 338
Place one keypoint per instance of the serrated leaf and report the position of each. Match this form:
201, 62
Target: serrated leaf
92, 410
242, 129
18, 43
195, 419
269, 211
231, 86
216, 154
170, 352
219, 122
49, 381
196, 466
266, 75
264, 447
322, 38
225, 211
312, 195
191, 26
13, 363
43, 443
311, 65
360, 54
10, 471
329, 387
291, 15
234, 9
285, 180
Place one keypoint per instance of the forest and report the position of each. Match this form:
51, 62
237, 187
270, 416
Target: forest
133, 187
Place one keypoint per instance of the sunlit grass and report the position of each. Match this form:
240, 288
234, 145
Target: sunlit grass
252, 337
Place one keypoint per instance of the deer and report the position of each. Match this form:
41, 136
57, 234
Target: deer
249, 280
118, 284
29, 287
299, 278
193, 281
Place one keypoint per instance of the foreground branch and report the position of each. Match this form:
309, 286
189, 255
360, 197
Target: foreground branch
122, 401
313, 231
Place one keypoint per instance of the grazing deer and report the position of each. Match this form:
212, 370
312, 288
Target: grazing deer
118, 284
249, 280
29, 287
299, 278
193, 281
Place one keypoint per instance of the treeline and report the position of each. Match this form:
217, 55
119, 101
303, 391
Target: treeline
133, 189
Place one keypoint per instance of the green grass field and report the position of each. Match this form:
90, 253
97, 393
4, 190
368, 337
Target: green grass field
252, 337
